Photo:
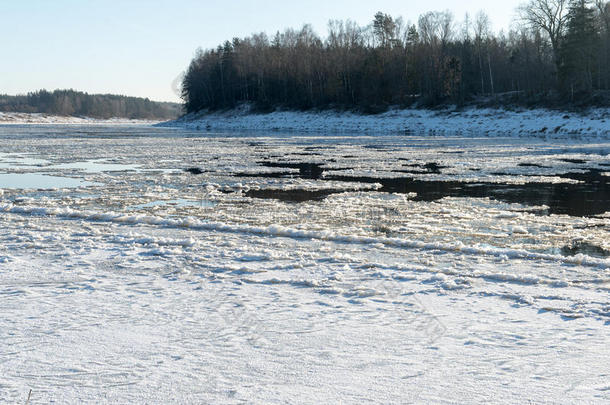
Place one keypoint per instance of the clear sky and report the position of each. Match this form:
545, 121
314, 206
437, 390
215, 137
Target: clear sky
138, 47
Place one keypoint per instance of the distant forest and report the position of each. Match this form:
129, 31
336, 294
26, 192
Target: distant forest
558, 53
76, 103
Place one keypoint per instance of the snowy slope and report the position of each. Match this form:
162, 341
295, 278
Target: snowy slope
540, 123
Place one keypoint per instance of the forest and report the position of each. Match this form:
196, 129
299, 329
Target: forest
75, 103
556, 53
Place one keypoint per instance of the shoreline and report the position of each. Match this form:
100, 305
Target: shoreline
16, 118
595, 123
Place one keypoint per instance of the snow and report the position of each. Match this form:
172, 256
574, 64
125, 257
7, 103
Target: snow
145, 283
17, 118
467, 122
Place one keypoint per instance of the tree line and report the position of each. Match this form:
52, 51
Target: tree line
76, 103
559, 52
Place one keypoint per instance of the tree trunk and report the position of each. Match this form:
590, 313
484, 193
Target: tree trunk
491, 78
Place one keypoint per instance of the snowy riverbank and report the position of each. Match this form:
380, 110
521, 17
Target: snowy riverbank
16, 118
496, 122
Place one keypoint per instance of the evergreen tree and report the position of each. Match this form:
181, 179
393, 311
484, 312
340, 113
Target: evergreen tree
579, 50
75, 103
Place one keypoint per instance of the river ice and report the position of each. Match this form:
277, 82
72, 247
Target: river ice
161, 265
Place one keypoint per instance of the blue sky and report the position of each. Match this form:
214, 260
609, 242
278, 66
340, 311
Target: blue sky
138, 47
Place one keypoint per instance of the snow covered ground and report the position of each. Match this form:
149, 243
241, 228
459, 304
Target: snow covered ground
467, 122
8, 118
142, 264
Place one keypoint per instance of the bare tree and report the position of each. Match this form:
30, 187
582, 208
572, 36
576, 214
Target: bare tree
436, 27
550, 16
466, 28
482, 31
435, 32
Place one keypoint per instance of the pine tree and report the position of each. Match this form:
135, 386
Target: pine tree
580, 50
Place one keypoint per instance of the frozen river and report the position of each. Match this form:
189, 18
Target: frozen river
151, 265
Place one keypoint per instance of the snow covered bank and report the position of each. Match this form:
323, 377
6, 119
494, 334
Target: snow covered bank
16, 118
497, 122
